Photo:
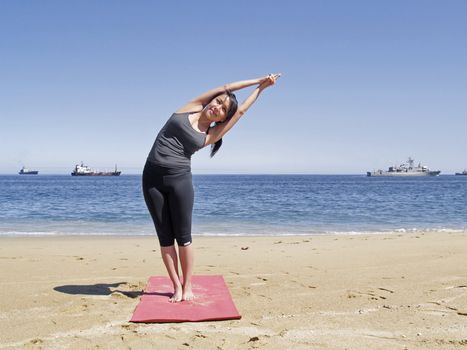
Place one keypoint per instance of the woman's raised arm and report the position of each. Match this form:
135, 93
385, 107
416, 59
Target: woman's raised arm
221, 129
200, 101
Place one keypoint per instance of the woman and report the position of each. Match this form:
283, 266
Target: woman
167, 186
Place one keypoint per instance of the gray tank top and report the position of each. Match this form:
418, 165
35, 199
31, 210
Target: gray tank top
176, 143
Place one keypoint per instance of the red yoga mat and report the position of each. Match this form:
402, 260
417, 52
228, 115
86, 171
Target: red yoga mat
212, 302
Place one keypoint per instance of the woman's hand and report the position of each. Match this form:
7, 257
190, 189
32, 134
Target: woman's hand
269, 80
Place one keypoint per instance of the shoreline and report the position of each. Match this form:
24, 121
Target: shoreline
384, 291
389, 232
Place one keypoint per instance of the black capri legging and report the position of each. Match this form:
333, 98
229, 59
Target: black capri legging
169, 198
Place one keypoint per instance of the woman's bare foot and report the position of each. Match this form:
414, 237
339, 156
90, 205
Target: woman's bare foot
177, 296
187, 293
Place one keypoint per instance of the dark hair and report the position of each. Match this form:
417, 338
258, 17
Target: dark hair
230, 113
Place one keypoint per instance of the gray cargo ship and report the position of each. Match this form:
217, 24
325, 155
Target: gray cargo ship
405, 169
25, 171
84, 170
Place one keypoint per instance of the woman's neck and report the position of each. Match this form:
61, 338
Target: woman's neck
203, 121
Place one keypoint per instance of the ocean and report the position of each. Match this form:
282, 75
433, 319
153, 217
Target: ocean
237, 205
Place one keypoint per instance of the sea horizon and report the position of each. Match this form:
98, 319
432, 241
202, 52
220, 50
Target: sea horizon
229, 173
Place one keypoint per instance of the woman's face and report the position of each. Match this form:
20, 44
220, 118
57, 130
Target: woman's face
216, 110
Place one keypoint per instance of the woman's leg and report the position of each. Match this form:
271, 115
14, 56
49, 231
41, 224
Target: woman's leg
158, 207
187, 262
169, 256
181, 201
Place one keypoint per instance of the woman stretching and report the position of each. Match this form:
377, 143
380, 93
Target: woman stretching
167, 186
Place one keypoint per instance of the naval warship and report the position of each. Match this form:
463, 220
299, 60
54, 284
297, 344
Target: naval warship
405, 169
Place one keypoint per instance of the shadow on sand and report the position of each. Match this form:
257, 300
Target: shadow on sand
97, 289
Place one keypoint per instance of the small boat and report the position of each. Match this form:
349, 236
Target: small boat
462, 173
405, 169
84, 170
25, 171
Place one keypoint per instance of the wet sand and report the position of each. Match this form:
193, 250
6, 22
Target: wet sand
392, 291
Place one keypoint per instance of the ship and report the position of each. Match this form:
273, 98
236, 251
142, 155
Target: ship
462, 173
25, 171
405, 169
84, 170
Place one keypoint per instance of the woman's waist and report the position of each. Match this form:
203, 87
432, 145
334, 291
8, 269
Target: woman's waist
164, 169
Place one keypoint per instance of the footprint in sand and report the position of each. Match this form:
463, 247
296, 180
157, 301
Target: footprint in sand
386, 290
129, 327
253, 339
371, 294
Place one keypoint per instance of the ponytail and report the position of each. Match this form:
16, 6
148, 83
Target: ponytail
215, 147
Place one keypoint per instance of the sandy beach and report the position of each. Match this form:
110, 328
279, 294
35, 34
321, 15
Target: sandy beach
391, 291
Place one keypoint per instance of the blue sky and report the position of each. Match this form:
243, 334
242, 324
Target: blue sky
365, 83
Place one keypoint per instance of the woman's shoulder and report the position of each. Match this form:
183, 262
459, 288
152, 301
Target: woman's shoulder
189, 108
